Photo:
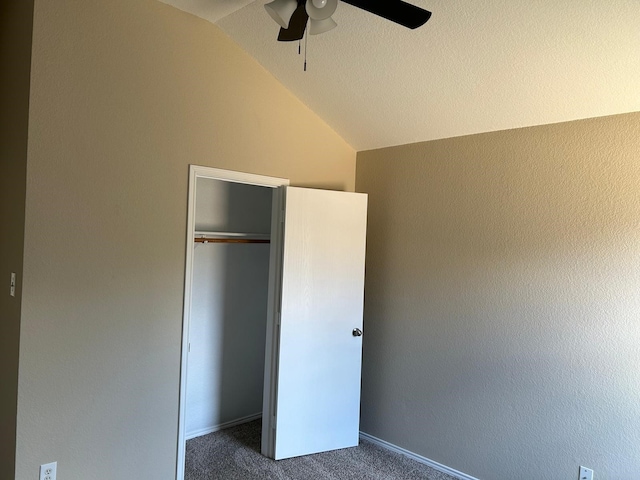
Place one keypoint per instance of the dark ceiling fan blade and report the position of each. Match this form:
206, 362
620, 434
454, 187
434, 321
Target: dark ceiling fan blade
397, 11
297, 25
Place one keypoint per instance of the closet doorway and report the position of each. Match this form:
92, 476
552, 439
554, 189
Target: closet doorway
273, 312
225, 311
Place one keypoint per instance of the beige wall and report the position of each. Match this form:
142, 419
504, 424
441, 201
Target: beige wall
124, 96
503, 300
16, 22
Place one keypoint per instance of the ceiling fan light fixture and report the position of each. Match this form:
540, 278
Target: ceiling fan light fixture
321, 9
317, 27
295, 16
281, 11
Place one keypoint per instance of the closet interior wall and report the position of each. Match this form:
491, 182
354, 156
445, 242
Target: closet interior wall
225, 371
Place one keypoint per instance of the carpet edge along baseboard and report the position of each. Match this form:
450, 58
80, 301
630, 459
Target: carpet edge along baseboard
418, 458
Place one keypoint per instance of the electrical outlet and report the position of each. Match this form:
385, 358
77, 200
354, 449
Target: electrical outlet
48, 471
585, 473
12, 288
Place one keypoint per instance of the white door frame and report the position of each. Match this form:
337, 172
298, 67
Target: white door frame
196, 172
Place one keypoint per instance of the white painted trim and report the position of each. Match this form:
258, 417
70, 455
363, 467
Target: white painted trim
222, 426
238, 177
267, 446
418, 458
196, 172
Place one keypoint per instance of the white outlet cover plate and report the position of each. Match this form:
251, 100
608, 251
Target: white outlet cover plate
585, 474
48, 471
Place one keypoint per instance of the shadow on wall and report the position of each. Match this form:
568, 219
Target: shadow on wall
229, 307
244, 304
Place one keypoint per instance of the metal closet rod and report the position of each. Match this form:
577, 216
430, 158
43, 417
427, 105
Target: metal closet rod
230, 240
230, 237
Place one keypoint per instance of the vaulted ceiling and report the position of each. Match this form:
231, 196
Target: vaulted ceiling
473, 67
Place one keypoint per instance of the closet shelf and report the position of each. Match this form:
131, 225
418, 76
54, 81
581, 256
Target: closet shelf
230, 237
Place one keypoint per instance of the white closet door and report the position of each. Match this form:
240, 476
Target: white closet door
319, 348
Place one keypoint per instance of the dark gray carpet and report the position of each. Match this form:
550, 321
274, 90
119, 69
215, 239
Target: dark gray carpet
234, 454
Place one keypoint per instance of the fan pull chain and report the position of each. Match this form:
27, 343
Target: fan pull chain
299, 42
306, 37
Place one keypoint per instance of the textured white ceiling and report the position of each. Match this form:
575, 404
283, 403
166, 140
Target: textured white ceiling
212, 10
473, 67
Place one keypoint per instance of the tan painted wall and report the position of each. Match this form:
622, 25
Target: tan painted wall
503, 300
16, 22
124, 96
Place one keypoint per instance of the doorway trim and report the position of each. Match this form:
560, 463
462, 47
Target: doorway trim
195, 172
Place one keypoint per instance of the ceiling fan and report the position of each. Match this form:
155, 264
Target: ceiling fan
293, 15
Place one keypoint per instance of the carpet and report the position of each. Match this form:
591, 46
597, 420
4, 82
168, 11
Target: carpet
234, 454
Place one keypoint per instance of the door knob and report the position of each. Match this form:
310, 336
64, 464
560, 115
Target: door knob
357, 332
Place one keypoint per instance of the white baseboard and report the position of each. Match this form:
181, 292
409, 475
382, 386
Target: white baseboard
417, 458
222, 426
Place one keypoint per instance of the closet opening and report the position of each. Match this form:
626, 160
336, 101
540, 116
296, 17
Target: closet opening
226, 302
